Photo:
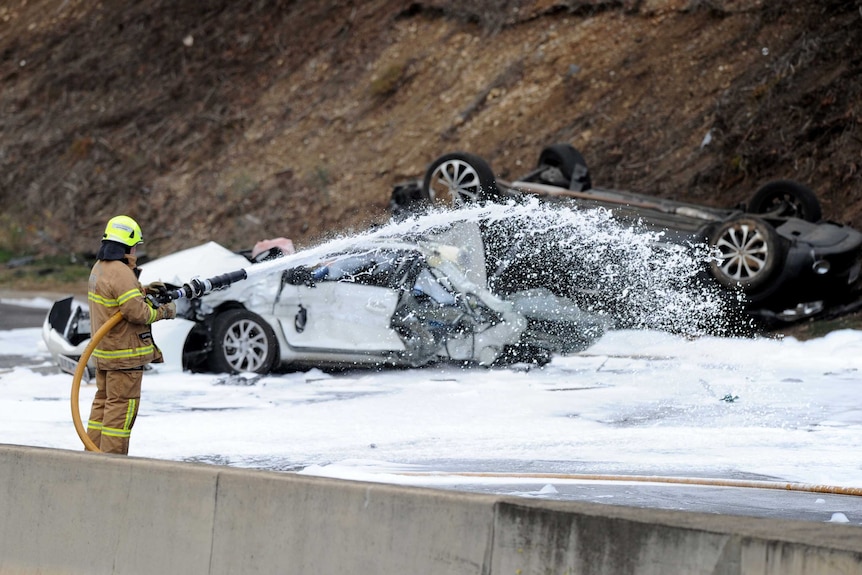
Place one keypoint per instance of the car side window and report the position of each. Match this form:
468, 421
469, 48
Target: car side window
374, 269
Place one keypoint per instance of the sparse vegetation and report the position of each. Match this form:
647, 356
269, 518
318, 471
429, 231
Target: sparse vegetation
387, 82
216, 121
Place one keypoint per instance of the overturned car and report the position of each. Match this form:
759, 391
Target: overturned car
776, 251
375, 302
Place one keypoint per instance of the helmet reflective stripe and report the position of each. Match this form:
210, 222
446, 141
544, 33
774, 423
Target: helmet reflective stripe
124, 230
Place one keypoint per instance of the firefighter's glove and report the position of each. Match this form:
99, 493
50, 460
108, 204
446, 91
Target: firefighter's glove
168, 311
157, 294
156, 288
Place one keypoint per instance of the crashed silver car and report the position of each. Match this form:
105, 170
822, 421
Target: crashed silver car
374, 302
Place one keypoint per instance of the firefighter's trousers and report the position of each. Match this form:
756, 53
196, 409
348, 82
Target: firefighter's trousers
115, 406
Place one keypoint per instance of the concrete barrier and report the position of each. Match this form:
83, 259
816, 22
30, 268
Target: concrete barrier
65, 512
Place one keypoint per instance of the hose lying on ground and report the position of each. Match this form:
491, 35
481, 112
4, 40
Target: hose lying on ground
811, 488
808, 487
227, 279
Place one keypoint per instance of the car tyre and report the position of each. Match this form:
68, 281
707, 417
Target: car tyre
748, 253
786, 199
570, 162
523, 353
459, 178
242, 342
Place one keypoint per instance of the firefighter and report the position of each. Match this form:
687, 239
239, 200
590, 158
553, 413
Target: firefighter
128, 347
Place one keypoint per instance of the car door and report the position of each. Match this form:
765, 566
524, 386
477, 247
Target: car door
335, 313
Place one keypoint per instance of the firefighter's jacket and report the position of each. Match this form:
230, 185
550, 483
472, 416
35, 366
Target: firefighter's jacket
113, 288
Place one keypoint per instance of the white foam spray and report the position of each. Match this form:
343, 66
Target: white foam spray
632, 275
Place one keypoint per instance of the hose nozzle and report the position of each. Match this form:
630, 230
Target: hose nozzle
197, 287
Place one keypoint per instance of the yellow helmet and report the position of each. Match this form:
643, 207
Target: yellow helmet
124, 230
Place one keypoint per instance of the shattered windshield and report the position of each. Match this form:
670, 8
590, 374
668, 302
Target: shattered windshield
376, 268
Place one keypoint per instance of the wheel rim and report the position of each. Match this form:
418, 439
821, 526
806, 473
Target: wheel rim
744, 252
455, 182
245, 346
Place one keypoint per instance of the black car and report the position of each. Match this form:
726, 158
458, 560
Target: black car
776, 251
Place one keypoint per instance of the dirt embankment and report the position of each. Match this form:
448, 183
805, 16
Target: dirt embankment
232, 121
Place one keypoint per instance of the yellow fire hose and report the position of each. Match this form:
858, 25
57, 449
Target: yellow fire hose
79, 373
811, 488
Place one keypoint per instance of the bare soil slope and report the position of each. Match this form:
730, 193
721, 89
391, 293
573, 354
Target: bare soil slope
234, 121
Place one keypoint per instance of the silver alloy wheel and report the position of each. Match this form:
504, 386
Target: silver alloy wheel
744, 252
455, 182
245, 345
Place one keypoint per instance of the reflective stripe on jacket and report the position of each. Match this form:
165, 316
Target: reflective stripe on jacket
114, 288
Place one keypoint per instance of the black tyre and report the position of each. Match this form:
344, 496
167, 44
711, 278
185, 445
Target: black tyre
749, 253
523, 353
242, 342
459, 178
786, 199
570, 163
